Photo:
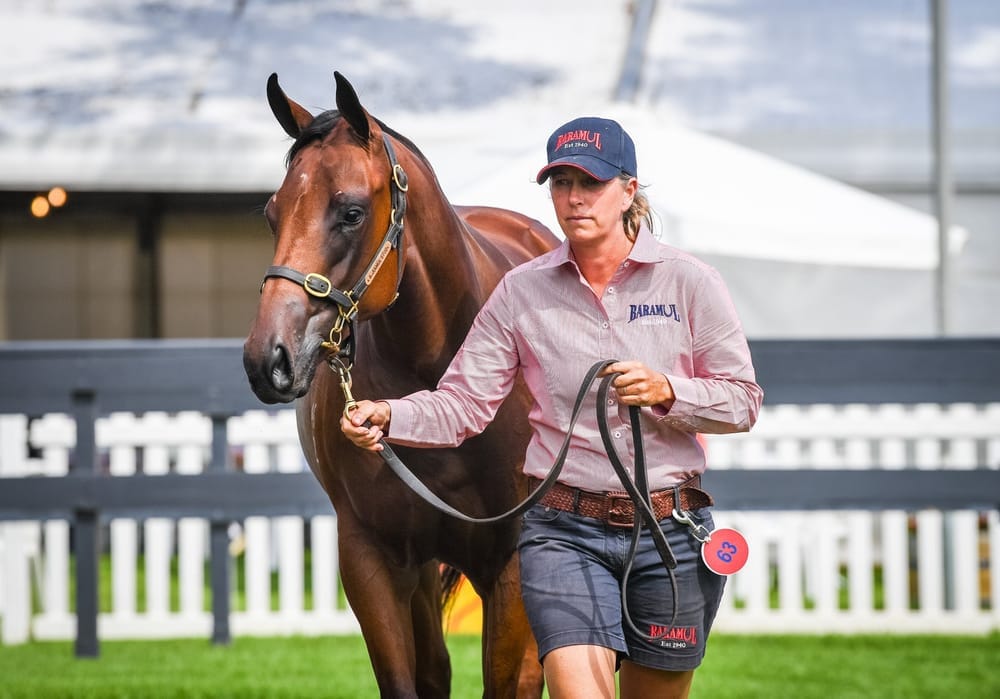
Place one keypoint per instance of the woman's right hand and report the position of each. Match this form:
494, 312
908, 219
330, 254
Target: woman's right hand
377, 414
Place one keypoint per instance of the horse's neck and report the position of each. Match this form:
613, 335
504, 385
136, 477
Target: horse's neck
441, 290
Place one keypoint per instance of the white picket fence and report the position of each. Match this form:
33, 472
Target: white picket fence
829, 571
933, 571
36, 557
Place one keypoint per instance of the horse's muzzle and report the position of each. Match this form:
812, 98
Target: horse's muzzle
271, 373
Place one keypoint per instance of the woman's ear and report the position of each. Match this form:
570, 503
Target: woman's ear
628, 195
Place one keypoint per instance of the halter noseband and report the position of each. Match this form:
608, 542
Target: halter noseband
321, 287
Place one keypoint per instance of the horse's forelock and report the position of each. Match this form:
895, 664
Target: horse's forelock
323, 124
320, 127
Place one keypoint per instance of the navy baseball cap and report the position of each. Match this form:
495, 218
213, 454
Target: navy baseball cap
599, 147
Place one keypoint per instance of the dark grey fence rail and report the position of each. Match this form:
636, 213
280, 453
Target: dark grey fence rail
91, 379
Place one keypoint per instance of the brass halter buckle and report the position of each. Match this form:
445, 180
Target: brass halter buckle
399, 177
317, 285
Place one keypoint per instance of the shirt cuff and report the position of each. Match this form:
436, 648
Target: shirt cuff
400, 420
685, 395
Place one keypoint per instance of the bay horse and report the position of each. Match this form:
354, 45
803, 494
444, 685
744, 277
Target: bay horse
361, 205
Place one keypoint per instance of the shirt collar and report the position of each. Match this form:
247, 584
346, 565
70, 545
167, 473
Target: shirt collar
644, 250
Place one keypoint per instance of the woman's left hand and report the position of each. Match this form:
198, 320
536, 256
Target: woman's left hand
639, 385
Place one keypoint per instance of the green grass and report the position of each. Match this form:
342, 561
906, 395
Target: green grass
335, 667
844, 667
798, 667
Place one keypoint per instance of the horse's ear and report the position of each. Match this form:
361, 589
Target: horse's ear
292, 116
350, 107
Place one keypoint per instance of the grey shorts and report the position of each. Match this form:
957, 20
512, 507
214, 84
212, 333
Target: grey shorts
571, 575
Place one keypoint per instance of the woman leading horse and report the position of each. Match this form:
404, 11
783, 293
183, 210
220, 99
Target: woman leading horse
610, 290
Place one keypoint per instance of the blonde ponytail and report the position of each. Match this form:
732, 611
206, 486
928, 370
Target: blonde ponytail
638, 212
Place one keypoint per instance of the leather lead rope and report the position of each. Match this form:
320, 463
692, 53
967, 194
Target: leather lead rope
418, 487
639, 494
638, 491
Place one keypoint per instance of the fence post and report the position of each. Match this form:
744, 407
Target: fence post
860, 524
894, 545
15, 602
931, 559
291, 543
962, 527
15, 585
55, 573
87, 527
157, 531
191, 531
257, 536
993, 551
219, 544
323, 537
124, 532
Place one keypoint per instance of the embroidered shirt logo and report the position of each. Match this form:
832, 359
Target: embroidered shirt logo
653, 313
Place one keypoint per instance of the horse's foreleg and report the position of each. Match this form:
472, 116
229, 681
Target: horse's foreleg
381, 595
433, 662
510, 655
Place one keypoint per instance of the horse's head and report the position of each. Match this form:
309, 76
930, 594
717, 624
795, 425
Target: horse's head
337, 224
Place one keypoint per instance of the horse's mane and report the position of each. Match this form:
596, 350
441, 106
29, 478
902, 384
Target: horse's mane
323, 124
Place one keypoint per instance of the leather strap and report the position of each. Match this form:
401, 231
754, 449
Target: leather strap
616, 508
418, 487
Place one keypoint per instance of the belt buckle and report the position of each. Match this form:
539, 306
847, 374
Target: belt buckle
620, 511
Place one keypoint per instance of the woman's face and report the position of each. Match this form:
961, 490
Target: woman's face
589, 210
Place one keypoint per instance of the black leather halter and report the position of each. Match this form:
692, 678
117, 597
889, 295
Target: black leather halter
321, 287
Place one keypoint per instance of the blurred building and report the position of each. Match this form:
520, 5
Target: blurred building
152, 117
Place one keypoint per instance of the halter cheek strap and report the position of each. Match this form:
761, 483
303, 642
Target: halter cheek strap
315, 285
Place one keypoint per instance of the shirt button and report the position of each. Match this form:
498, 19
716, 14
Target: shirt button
626, 263
618, 435
604, 324
610, 401
611, 289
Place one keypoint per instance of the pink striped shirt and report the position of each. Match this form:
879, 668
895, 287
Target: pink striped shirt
662, 307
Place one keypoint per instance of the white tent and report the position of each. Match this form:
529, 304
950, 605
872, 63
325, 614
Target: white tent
803, 255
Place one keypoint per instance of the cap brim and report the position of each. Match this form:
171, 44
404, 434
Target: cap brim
595, 167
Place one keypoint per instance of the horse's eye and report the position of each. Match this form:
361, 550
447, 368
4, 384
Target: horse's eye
354, 216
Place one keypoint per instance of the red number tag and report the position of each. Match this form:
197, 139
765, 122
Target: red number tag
725, 552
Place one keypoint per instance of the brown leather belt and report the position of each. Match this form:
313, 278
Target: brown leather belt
616, 507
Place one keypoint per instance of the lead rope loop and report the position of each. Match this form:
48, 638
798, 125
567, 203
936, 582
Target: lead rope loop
638, 491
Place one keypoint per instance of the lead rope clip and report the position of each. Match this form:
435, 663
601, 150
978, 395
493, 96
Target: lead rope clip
344, 372
698, 531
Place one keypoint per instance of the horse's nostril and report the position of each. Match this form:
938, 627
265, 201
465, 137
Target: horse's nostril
281, 371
